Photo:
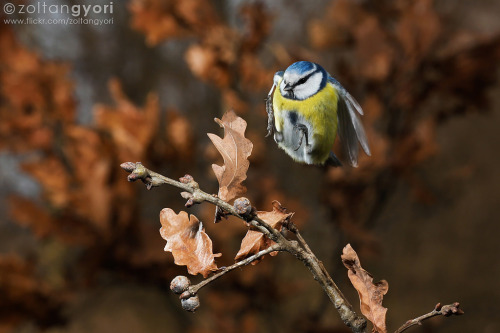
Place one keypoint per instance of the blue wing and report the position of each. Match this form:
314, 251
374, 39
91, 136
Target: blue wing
350, 128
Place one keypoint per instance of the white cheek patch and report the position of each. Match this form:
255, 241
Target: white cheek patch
310, 87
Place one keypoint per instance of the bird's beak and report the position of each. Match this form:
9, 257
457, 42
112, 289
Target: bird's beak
287, 87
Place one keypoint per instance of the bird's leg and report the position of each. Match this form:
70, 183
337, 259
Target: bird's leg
303, 133
271, 128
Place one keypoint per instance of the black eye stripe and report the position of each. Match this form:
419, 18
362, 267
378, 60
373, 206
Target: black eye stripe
305, 78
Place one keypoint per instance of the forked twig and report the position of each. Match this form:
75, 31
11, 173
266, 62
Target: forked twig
299, 249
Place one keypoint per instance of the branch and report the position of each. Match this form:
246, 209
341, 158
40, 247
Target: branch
439, 310
195, 195
357, 324
300, 249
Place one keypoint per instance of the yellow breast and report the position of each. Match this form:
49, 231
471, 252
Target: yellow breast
319, 109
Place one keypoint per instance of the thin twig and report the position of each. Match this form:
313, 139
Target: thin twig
439, 310
299, 249
293, 228
193, 290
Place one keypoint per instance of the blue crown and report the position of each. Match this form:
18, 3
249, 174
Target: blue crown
302, 67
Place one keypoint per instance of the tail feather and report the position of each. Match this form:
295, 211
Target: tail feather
333, 160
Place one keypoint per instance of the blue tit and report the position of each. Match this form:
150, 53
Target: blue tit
306, 107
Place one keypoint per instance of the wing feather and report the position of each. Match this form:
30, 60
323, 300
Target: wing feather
351, 129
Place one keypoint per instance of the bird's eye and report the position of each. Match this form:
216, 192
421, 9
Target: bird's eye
301, 81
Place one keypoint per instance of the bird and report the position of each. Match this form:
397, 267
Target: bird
306, 109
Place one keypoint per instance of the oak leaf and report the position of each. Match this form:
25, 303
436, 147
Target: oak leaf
188, 242
235, 150
255, 241
370, 294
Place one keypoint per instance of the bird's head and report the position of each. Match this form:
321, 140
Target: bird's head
302, 80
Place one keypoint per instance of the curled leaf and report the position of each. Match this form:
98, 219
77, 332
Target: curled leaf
188, 242
370, 294
255, 241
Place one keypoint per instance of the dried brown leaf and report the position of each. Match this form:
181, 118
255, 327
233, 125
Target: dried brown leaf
374, 51
188, 242
160, 20
201, 60
198, 15
179, 133
53, 177
259, 23
232, 100
18, 278
336, 27
28, 112
418, 29
254, 75
213, 58
255, 241
92, 199
26, 293
44, 224
132, 128
370, 294
235, 150
155, 20
28, 214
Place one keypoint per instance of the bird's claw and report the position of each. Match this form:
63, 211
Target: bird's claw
303, 133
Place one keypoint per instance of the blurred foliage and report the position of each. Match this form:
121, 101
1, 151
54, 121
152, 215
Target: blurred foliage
410, 69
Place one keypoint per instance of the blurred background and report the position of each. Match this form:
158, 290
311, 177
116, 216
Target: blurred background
80, 249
